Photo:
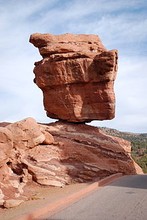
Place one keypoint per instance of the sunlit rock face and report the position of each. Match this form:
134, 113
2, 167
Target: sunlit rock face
55, 155
76, 76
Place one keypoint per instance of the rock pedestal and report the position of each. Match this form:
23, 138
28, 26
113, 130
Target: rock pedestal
57, 154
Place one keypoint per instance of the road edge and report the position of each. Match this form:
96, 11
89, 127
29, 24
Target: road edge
54, 207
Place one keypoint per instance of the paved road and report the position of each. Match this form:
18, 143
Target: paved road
124, 199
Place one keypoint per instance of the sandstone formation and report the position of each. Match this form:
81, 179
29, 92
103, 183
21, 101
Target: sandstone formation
76, 76
57, 154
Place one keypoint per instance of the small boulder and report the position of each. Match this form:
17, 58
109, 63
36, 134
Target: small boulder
11, 203
48, 138
26, 133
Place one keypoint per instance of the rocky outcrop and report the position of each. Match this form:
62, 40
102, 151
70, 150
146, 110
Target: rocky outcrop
88, 153
76, 76
55, 155
6, 145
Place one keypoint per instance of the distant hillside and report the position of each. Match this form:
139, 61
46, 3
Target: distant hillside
138, 142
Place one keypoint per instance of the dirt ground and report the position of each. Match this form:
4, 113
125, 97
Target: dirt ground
39, 196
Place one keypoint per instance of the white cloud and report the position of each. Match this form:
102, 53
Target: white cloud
120, 24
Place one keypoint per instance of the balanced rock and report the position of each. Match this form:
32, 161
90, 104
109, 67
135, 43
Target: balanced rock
76, 76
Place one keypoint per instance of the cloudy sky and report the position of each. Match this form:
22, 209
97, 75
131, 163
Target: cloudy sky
121, 24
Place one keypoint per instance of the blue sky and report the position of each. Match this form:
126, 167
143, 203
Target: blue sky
121, 24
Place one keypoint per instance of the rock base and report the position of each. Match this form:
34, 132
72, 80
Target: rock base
57, 154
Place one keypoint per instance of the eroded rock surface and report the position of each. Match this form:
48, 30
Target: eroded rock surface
76, 76
55, 155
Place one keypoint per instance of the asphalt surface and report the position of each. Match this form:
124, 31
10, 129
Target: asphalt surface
124, 199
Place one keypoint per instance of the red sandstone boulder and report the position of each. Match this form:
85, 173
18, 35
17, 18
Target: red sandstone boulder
79, 153
15, 140
76, 76
26, 133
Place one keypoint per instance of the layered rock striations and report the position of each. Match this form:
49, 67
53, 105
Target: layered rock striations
55, 155
76, 76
